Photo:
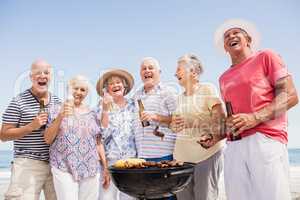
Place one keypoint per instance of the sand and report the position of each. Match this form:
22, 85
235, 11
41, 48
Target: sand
294, 183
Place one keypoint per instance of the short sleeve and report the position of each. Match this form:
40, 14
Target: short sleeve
170, 100
105, 132
211, 95
97, 112
12, 113
95, 115
274, 66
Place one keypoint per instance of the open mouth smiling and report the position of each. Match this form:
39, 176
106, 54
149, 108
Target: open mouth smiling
42, 83
117, 89
233, 43
148, 76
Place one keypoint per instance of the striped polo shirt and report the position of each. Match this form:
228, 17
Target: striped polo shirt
161, 100
21, 111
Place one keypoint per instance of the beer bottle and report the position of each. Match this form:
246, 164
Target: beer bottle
229, 111
141, 110
42, 110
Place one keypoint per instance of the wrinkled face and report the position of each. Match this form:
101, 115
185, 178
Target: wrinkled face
115, 86
149, 73
40, 77
79, 91
183, 75
236, 40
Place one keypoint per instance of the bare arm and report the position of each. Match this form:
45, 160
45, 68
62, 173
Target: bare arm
212, 124
103, 161
52, 130
217, 123
164, 119
104, 119
156, 117
106, 104
101, 152
285, 98
65, 111
216, 130
12, 132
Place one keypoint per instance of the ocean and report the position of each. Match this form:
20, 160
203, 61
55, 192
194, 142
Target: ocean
7, 156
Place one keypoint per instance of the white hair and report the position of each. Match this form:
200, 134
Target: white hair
81, 79
37, 63
153, 60
191, 62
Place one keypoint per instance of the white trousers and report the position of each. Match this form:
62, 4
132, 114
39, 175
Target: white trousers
112, 193
256, 168
68, 189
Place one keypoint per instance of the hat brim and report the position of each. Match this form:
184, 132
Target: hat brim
115, 72
249, 27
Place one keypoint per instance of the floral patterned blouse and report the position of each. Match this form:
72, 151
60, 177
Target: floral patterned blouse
74, 148
118, 137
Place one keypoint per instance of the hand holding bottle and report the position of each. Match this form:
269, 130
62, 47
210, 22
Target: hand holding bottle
107, 101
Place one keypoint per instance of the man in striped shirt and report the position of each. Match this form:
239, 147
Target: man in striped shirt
159, 103
24, 123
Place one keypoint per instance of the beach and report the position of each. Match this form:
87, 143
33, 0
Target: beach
294, 183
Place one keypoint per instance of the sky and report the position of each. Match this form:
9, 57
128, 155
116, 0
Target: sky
88, 37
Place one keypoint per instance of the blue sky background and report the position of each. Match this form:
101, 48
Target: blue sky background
87, 37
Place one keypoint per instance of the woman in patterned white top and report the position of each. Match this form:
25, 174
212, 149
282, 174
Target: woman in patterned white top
74, 135
117, 115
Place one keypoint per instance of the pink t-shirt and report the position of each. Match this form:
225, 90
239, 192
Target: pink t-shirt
250, 86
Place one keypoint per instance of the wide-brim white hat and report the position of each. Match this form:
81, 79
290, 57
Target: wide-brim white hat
247, 26
115, 72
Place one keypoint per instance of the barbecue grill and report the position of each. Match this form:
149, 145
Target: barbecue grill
152, 182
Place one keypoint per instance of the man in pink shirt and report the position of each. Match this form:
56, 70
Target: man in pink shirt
260, 90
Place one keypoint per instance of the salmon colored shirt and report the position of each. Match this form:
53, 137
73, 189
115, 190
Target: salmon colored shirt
250, 86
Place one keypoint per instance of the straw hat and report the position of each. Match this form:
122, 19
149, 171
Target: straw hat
247, 26
115, 72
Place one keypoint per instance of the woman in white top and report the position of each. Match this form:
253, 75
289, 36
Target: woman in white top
197, 123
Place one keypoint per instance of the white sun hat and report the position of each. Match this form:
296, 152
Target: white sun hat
247, 26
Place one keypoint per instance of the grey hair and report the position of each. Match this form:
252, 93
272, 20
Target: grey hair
155, 61
105, 85
192, 62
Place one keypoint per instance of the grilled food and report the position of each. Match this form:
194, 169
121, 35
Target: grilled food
129, 163
135, 163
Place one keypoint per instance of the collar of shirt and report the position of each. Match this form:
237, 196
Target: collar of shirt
157, 88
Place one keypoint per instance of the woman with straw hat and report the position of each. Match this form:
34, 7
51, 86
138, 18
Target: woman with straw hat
116, 114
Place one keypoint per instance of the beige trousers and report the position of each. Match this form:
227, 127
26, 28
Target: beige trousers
28, 178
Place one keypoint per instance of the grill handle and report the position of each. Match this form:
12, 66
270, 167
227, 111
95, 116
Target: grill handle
185, 171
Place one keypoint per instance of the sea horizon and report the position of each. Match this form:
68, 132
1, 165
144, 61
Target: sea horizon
6, 156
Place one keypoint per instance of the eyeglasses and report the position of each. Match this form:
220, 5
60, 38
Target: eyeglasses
39, 73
